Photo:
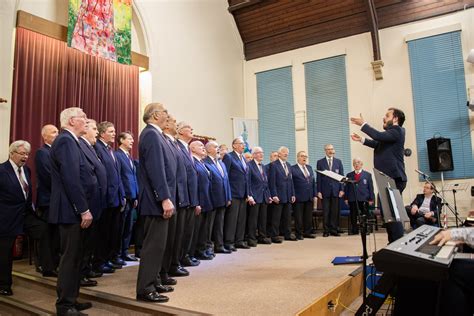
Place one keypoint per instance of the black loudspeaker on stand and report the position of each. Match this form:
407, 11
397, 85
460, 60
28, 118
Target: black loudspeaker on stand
440, 155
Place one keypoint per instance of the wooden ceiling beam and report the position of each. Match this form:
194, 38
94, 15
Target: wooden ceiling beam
235, 5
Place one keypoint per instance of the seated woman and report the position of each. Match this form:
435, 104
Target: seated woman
425, 208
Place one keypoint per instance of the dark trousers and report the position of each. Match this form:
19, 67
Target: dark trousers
126, 225
354, 212
178, 238
285, 221
418, 220
188, 233
241, 222
303, 212
458, 290
165, 268
218, 229
262, 221
6, 262
72, 248
252, 221
151, 255
274, 222
197, 228
395, 229
42, 233
210, 228
231, 221
331, 214
90, 242
138, 234
203, 235
108, 239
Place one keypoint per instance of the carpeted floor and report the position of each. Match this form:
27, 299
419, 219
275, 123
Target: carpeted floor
278, 279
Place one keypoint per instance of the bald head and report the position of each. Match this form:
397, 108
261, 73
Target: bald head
49, 133
197, 148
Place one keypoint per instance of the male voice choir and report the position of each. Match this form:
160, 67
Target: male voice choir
193, 200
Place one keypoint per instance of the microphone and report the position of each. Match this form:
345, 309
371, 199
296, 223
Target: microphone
424, 175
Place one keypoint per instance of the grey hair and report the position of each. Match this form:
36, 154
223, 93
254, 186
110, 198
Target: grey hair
257, 148
67, 114
19, 143
237, 139
150, 109
282, 148
210, 143
182, 125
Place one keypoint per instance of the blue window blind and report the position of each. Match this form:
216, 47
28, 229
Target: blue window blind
327, 114
276, 116
439, 97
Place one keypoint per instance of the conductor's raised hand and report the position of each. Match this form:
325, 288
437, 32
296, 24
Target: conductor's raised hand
358, 120
355, 137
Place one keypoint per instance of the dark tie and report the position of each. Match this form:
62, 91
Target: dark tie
285, 167
111, 152
306, 173
23, 183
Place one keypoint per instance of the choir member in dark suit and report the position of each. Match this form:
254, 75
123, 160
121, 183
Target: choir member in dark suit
388, 154
106, 256
220, 196
257, 213
157, 200
223, 150
48, 241
128, 174
15, 202
305, 194
282, 192
330, 191
425, 208
86, 142
364, 194
72, 182
185, 135
236, 216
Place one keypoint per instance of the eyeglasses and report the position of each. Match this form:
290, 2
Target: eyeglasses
22, 154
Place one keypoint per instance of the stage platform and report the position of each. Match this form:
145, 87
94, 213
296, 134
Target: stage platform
279, 279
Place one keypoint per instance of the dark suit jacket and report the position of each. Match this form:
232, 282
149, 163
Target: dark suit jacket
128, 174
220, 186
191, 176
305, 189
388, 150
98, 203
327, 186
43, 176
156, 172
238, 176
73, 181
365, 187
435, 204
182, 198
204, 186
259, 183
115, 191
279, 183
13, 205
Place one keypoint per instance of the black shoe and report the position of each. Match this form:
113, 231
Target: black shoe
112, 265
85, 282
252, 243
83, 306
265, 241
340, 231
312, 236
6, 292
203, 256
187, 262
335, 234
231, 248
276, 240
94, 274
154, 297
70, 312
193, 259
129, 258
325, 234
168, 281
290, 237
104, 269
52, 274
119, 261
178, 272
210, 252
222, 250
164, 288
242, 245
299, 237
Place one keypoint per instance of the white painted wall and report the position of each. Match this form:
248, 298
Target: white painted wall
365, 94
195, 59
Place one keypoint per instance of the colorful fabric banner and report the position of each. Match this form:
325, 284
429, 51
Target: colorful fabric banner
101, 28
248, 130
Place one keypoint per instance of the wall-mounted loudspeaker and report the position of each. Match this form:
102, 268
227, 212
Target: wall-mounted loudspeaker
470, 57
440, 155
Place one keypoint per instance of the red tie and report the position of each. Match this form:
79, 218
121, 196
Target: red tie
24, 185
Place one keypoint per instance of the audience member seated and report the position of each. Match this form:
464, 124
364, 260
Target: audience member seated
425, 208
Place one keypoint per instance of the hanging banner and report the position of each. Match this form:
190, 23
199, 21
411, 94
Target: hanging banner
101, 28
248, 130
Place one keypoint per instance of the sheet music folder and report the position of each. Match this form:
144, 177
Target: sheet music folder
391, 201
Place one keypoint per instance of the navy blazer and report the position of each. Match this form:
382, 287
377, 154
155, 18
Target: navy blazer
435, 204
73, 181
305, 188
388, 150
220, 186
238, 176
191, 175
156, 172
259, 183
13, 205
182, 197
43, 176
204, 186
115, 191
365, 187
280, 184
327, 186
97, 204
128, 174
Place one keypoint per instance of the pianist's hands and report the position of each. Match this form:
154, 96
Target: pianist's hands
442, 238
